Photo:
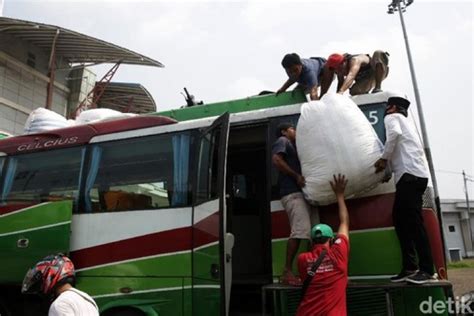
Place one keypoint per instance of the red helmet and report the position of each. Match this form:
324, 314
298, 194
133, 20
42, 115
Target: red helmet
335, 60
48, 273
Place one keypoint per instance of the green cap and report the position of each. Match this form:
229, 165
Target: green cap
321, 230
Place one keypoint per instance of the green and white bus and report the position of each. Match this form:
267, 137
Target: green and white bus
178, 214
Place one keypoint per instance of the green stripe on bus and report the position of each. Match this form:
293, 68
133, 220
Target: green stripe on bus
166, 265
39, 245
36, 216
372, 252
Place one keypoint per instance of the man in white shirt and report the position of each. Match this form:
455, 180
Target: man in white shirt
71, 301
54, 277
404, 152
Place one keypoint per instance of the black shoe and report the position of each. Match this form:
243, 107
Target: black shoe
376, 90
422, 277
402, 276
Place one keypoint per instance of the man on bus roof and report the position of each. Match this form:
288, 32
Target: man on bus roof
306, 72
326, 265
357, 73
290, 180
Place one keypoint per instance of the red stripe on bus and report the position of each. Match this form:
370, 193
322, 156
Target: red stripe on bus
142, 246
436, 241
149, 245
365, 213
12, 207
77, 135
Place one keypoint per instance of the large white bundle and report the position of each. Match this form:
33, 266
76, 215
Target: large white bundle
41, 120
96, 115
334, 136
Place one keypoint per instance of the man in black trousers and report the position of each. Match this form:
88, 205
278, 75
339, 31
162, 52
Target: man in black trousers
404, 152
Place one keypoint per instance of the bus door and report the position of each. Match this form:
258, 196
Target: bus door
212, 245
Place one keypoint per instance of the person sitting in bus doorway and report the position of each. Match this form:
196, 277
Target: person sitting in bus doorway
326, 265
404, 152
357, 73
290, 180
54, 278
306, 72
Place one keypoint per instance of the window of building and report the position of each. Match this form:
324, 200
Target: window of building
139, 174
451, 228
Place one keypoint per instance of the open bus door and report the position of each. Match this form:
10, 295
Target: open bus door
212, 245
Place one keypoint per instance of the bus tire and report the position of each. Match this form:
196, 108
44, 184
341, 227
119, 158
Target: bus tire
124, 312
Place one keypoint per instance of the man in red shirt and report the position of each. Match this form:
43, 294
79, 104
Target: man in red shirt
326, 294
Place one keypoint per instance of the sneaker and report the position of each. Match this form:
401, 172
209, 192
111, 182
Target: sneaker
422, 277
376, 90
402, 276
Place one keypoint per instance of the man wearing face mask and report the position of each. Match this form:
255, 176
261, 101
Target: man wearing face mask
404, 151
306, 72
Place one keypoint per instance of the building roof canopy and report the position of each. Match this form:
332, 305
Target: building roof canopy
127, 97
74, 47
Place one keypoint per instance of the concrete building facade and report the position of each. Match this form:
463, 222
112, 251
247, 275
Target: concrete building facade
23, 84
39, 59
458, 227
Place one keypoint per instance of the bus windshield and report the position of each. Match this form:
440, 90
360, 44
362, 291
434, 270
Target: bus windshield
43, 176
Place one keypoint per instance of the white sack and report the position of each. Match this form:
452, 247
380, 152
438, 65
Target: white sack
96, 115
334, 136
41, 120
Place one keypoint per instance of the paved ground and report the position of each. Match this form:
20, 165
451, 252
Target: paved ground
462, 279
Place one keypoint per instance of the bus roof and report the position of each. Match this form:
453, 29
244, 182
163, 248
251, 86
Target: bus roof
259, 103
77, 135
235, 106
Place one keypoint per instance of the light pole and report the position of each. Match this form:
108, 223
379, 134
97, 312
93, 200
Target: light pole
400, 6
468, 178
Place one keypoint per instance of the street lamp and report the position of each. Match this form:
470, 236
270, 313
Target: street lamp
466, 192
400, 6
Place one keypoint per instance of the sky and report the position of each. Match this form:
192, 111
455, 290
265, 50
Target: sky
223, 50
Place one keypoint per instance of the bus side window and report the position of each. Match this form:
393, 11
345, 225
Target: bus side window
139, 174
207, 168
47, 176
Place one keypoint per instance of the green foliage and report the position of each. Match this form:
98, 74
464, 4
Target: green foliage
466, 263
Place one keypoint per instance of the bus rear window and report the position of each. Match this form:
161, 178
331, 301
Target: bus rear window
43, 176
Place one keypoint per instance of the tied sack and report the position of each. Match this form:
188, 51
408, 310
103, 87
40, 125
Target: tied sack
42, 120
100, 115
334, 136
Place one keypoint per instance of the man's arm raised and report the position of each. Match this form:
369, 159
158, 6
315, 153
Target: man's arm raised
338, 186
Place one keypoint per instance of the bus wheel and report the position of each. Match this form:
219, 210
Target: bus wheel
123, 312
